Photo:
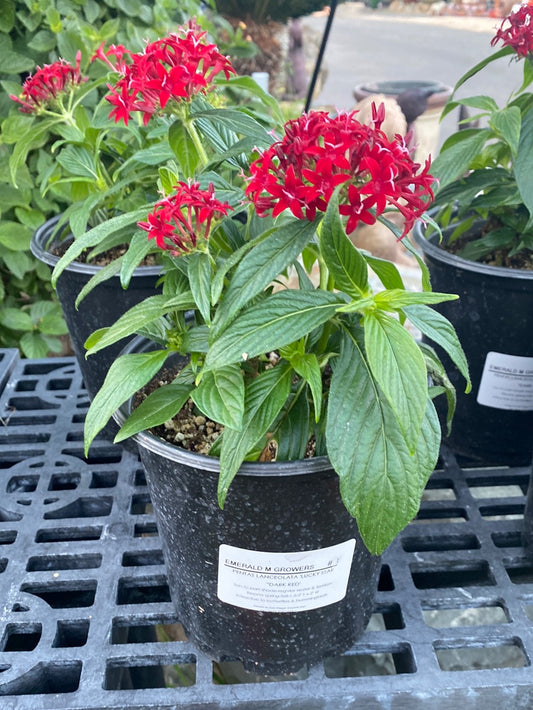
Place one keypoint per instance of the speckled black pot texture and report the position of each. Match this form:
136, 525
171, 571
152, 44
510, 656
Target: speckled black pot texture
101, 308
279, 507
494, 314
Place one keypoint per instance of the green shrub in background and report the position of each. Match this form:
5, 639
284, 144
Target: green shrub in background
33, 33
262, 11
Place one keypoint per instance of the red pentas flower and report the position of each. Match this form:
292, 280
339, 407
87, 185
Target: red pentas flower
181, 222
516, 31
174, 68
49, 81
319, 152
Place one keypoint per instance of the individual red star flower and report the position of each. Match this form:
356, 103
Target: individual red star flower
172, 69
319, 152
181, 222
41, 89
516, 31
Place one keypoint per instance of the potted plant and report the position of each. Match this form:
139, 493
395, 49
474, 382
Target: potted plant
108, 162
485, 206
293, 438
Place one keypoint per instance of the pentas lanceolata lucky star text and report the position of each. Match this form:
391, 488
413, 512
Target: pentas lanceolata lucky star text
516, 31
174, 68
319, 152
44, 88
181, 223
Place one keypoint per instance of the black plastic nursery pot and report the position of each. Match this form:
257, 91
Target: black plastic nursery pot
101, 308
280, 577
494, 321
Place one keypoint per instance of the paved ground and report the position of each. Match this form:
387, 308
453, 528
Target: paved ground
368, 45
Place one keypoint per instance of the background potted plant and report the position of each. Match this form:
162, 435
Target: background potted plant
485, 207
107, 165
298, 386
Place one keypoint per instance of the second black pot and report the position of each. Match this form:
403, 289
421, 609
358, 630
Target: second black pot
494, 322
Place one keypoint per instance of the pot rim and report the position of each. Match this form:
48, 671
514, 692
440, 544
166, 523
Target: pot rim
164, 448
428, 246
41, 242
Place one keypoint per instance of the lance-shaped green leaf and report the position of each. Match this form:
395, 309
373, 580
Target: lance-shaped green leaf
439, 329
306, 365
138, 248
265, 396
399, 368
183, 148
199, 273
102, 275
457, 153
522, 164
441, 381
507, 124
393, 299
25, 143
127, 374
292, 433
139, 316
160, 406
381, 483
95, 236
260, 266
274, 322
346, 263
220, 396
385, 270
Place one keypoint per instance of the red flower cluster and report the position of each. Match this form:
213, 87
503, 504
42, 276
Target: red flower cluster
181, 221
519, 32
319, 152
43, 87
174, 68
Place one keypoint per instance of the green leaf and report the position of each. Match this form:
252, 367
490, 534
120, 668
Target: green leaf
455, 157
220, 396
440, 380
15, 319
95, 236
381, 483
306, 365
265, 396
386, 271
25, 143
345, 262
34, 345
274, 322
522, 163
199, 273
139, 316
399, 368
15, 236
78, 161
292, 434
160, 406
250, 85
138, 248
394, 299
183, 148
127, 374
18, 263
260, 266
101, 276
439, 329
506, 123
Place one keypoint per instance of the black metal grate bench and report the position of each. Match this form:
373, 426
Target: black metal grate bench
87, 621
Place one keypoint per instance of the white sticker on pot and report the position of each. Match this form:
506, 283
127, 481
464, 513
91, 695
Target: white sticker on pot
507, 382
284, 581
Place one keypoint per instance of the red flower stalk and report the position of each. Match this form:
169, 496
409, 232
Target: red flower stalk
181, 222
175, 68
516, 31
319, 152
49, 81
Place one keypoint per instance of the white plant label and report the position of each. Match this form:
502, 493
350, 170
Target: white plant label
507, 382
284, 581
